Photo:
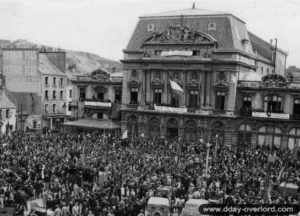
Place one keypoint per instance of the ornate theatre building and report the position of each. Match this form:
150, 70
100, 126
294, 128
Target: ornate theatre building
232, 86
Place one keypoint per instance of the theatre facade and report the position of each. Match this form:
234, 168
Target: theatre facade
235, 90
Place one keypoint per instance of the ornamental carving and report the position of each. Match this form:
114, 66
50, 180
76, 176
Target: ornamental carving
194, 82
221, 77
176, 77
180, 34
142, 120
157, 80
221, 82
134, 80
100, 75
202, 124
274, 81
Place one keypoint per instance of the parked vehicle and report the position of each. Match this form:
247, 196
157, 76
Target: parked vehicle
157, 206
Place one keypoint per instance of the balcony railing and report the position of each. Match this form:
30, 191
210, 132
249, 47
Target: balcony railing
218, 111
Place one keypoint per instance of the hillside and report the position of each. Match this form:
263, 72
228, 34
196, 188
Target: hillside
76, 62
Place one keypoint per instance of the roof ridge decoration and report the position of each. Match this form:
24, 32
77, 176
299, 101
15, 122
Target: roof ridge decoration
178, 34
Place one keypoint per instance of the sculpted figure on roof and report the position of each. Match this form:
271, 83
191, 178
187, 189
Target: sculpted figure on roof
178, 34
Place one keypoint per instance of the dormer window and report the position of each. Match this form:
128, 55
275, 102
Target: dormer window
151, 28
246, 45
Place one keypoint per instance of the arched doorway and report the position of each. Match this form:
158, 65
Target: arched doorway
217, 133
132, 126
190, 131
172, 128
154, 128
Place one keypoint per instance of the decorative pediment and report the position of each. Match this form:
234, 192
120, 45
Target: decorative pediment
157, 84
180, 34
134, 83
100, 75
221, 86
194, 84
100, 89
274, 81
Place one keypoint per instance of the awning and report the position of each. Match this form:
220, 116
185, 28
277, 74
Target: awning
97, 124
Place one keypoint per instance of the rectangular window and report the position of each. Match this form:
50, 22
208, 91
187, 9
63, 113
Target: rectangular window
61, 81
34, 124
46, 95
61, 95
193, 98
54, 81
118, 95
196, 52
134, 96
157, 96
297, 106
220, 101
272, 103
100, 96
82, 93
69, 106
46, 81
46, 108
54, 95
7, 113
100, 115
54, 108
70, 93
247, 102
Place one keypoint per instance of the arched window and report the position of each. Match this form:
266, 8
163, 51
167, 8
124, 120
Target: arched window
54, 108
269, 135
294, 138
244, 135
273, 103
54, 95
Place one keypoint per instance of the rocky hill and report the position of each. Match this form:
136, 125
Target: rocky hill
76, 62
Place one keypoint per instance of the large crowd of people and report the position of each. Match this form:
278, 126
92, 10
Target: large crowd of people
88, 174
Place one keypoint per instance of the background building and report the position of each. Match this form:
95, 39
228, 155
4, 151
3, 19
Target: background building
23, 84
54, 82
194, 74
95, 101
7, 114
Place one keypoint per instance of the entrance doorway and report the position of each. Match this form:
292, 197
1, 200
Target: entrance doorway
172, 128
172, 132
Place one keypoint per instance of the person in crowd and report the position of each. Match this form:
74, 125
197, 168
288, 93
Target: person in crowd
89, 174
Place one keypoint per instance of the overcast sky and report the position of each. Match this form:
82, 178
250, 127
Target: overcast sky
105, 26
